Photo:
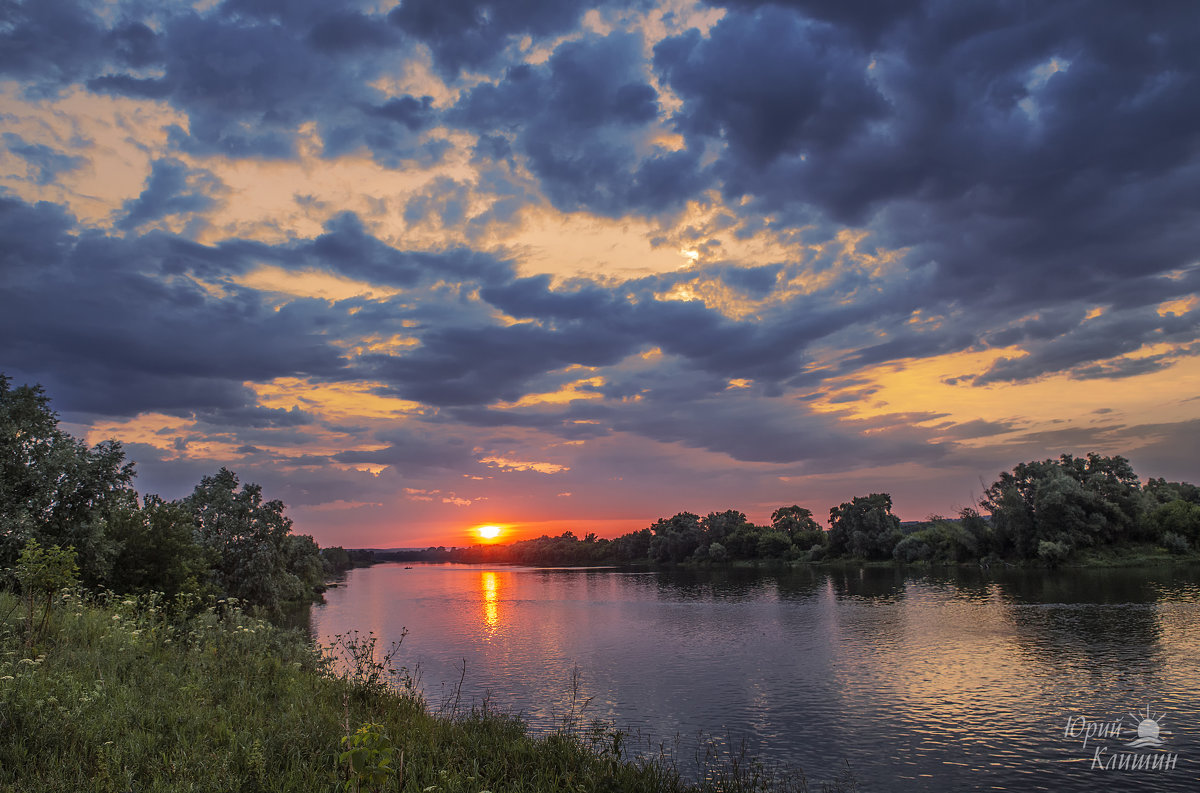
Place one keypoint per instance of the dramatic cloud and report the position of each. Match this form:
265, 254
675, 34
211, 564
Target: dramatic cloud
543, 262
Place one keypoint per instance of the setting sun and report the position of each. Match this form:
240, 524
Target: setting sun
488, 532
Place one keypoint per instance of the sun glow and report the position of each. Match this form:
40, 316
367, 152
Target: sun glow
488, 532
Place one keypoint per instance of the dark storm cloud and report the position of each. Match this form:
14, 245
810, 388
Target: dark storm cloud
1032, 153
483, 364
133, 337
470, 34
259, 417
1166, 449
978, 428
45, 163
445, 203
678, 406
247, 74
1083, 349
773, 347
171, 189
346, 248
131, 320
577, 119
296, 481
349, 31
49, 42
769, 84
414, 450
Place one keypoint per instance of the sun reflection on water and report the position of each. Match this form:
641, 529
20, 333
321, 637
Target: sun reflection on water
489, 589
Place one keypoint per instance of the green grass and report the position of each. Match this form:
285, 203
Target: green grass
120, 695
1130, 555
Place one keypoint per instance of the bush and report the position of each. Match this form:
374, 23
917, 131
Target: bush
1053, 553
41, 573
1174, 543
773, 545
913, 548
1175, 517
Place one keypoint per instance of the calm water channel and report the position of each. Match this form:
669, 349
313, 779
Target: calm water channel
960, 680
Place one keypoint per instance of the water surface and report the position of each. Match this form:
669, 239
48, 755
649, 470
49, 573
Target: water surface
959, 680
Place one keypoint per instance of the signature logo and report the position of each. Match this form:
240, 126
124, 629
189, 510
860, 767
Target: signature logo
1150, 738
1148, 730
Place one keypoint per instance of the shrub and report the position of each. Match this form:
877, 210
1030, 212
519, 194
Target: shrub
1177, 517
1175, 543
773, 544
42, 572
369, 760
717, 552
913, 548
1053, 553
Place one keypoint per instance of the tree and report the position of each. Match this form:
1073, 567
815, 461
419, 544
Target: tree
1178, 517
53, 488
634, 546
938, 540
158, 549
41, 573
716, 552
1070, 501
798, 524
716, 526
254, 559
773, 545
864, 527
676, 539
1163, 492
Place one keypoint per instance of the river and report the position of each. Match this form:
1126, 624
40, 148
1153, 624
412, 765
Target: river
925, 681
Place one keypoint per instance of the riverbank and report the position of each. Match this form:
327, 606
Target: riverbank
119, 694
1104, 557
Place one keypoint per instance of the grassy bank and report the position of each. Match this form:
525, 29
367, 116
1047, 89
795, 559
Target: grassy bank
115, 695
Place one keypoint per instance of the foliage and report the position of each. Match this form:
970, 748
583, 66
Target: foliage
158, 550
256, 559
357, 660
865, 527
1053, 553
369, 760
1072, 501
152, 695
1160, 491
58, 492
1178, 517
631, 547
53, 488
773, 545
675, 539
41, 573
716, 526
798, 524
938, 540
1175, 543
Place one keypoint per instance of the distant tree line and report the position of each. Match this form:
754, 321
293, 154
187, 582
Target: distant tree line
1044, 510
223, 540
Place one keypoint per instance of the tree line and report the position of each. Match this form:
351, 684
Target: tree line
223, 540
1047, 510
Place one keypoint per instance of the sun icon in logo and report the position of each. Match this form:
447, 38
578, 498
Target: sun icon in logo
1148, 730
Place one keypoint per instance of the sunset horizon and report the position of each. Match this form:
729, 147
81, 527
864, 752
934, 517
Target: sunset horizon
564, 267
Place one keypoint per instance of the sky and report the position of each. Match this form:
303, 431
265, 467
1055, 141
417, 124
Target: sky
555, 265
